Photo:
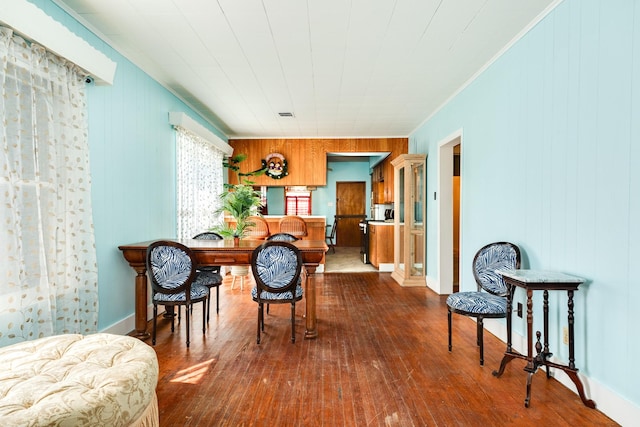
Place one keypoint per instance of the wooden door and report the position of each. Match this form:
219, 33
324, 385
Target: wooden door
350, 210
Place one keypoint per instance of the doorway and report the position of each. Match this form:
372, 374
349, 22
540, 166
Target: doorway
350, 210
448, 206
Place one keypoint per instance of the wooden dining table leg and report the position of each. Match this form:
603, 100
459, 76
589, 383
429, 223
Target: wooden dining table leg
141, 303
311, 327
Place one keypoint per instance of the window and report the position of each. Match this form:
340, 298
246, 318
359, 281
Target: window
49, 270
297, 201
200, 181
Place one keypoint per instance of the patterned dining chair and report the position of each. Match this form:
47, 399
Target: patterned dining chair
282, 237
490, 300
276, 267
257, 230
209, 275
171, 267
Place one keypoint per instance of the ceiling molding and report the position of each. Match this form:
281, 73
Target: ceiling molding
36, 26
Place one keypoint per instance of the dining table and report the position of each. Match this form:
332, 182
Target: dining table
223, 253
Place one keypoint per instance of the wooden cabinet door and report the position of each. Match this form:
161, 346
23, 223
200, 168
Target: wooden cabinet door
373, 245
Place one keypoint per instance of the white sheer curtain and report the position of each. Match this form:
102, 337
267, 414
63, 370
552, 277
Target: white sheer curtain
48, 272
200, 182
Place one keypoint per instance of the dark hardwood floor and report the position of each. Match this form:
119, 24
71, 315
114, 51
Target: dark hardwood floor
381, 360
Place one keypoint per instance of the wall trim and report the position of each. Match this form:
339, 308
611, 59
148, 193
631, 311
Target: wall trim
34, 25
184, 121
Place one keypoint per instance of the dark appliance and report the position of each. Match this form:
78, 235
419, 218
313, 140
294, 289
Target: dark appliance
388, 214
364, 245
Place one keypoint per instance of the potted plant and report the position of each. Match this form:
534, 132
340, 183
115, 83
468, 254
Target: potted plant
240, 200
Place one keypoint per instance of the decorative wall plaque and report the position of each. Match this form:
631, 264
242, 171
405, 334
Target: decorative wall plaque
275, 165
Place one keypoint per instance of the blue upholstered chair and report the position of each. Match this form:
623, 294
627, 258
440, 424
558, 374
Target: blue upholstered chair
276, 267
172, 270
209, 275
283, 237
490, 300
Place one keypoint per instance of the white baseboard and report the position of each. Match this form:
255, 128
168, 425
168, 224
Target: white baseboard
128, 324
385, 267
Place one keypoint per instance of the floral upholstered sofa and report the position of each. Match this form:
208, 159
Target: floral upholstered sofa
76, 380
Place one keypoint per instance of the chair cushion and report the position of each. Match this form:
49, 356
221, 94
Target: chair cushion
477, 304
197, 292
208, 278
274, 297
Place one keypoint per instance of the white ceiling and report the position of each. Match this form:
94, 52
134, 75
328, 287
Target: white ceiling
344, 68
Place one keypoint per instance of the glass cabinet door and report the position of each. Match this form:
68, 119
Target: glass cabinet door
409, 223
399, 218
416, 190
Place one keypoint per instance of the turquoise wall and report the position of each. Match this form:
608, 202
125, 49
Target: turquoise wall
550, 159
133, 168
322, 196
341, 172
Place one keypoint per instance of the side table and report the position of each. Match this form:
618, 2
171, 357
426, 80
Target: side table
540, 280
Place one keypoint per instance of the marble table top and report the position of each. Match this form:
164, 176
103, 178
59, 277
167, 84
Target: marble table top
540, 276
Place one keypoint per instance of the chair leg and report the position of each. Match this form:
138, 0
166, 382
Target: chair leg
293, 322
204, 320
187, 314
449, 324
155, 321
480, 339
260, 321
217, 300
208, 307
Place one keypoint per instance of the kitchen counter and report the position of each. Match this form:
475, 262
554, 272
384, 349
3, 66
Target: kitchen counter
381, 245
301, 216
316, 225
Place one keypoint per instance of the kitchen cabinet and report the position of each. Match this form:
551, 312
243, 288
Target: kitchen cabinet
382, 183
409, 260
381, 245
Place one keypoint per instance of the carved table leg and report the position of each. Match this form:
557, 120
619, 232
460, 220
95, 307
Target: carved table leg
505, 359
537, 361
545, 353
311, 327
508, 356
141, 303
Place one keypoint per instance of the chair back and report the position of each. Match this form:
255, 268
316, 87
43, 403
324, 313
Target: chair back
258, 230
171, 268
208, 235
282, 237
293, 225
334, 227
276, 267
492, 257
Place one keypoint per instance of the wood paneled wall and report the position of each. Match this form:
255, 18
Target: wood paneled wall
307, 158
